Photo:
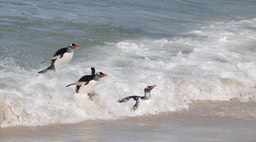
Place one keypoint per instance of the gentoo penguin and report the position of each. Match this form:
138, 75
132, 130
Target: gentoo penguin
137, 99
62, 56
87, 83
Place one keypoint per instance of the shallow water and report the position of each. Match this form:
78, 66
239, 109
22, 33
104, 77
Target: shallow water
192, 51
194, 125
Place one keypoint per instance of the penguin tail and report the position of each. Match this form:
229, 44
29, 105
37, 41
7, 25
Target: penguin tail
45, 70
122, 101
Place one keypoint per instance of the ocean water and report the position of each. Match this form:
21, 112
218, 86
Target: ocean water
192, 50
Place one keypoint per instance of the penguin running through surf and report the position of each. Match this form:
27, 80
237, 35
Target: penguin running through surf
87, 83
137, 99
61, 57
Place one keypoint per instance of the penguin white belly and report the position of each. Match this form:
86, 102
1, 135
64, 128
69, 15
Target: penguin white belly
67, 57
85, 89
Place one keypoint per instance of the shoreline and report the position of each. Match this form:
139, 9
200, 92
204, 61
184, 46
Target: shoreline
204, 121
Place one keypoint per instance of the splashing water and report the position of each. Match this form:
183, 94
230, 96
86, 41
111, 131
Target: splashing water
216, 62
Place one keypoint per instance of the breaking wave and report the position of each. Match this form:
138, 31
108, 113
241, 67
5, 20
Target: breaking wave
215, 62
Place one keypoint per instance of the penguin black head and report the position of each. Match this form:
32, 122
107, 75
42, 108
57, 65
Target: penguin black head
99, 75
149, 88
74, 46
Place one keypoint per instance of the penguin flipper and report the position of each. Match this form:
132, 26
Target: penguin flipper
93, 70
55, 57
136, 104
52, 58
76, 83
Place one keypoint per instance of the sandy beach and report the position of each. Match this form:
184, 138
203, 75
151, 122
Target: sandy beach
204, 122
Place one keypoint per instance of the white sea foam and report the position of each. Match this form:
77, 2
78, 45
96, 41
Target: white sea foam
213, 63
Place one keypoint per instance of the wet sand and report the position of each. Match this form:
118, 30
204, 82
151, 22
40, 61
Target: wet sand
204, 122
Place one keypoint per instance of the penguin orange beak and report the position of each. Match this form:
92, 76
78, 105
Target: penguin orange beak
152, 86
103, 75
75, 46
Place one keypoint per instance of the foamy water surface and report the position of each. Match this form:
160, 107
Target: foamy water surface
215, 61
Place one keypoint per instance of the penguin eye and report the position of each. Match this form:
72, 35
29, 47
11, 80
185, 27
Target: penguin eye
72, 44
